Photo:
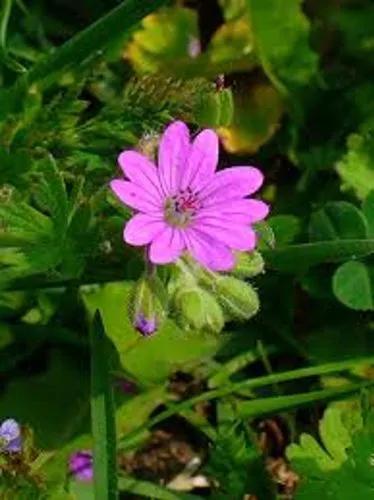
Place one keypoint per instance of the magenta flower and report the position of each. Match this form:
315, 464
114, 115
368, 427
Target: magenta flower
185, 205
81, 465
10, 436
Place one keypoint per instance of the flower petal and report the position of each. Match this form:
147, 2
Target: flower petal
142, 229
230, 183
167, 246
245, 211
135, 197
140, 170
202, 161
172, 155
235, 236
208, 252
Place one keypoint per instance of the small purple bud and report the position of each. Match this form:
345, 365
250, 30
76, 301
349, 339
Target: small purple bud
81, 465
145, 326
10, 436
127, 386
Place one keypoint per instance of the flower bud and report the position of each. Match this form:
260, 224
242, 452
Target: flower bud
149, 304
226, 106
199, 310
248, 264
207, 110
238, 299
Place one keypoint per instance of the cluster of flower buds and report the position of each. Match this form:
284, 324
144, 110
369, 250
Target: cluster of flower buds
199, 299
210, 299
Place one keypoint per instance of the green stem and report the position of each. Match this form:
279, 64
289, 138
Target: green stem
250, 384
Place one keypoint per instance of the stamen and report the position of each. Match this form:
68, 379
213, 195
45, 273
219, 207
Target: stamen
180, 208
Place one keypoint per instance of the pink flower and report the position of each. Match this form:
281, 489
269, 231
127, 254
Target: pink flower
185, 205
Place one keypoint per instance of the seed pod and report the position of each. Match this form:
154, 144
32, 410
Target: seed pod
199, 310
238, 299
248, 264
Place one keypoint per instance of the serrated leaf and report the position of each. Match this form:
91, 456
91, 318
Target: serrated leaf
350, 473
353, 285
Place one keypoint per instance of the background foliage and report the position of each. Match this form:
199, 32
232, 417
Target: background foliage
287, 85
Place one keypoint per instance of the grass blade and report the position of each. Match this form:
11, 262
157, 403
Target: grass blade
92, 40
102, 416
276, 404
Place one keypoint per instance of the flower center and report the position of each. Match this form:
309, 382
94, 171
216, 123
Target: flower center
180, 208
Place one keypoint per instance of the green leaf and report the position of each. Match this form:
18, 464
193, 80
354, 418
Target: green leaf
37, 400
353, 285
236, 464
285, 228
163, 40
153, 359
337, 220
258, 111
341, 467
368, 211
137, 409
281, 35
102, 415
298, 257
78, 49
356, 168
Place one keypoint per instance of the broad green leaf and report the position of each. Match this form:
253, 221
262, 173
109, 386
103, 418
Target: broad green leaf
150, 359
281, 36
102, 415
353, 285
137, 409
258, 111
298, 257
164, 39
232, 9
37, 400
168, 43
337, 220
